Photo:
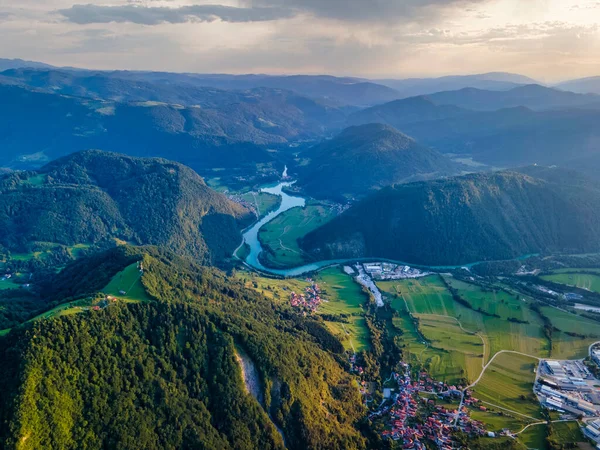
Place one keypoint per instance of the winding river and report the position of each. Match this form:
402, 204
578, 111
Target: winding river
288, 202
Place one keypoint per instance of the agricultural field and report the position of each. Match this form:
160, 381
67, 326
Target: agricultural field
586, 281
508, 383
496, 419
128, 280
565, 346
428, 297
443, 365
343, 295
263, 202
534, 437
280, 236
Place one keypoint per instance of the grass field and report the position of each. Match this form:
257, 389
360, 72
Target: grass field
428, 296
7, 284
129, 281
344, 296
281, 235
275, 289
535, 437
263, 202
496, 420
571, 347
567, 433
508, 383
580, 280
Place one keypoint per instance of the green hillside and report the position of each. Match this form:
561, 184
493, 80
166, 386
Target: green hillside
93, 197
488, 216
365, 158
164, 374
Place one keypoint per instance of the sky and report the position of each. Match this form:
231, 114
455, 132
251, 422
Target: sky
549, 40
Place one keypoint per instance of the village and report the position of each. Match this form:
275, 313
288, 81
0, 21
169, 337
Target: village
310, 300
412, 416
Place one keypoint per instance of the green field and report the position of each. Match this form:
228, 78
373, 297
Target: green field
580, 280
566, 433
344, 296
428, 296
508, 383
571, 347
497, 420
263, 202
280, 236
534, 437
129, 281
7, 284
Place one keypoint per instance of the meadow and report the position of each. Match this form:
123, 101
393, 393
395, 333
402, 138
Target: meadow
128, 280
280, 236
508, 383
344, 296
263, 202
570, 278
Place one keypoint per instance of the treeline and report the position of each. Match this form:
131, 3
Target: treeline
462, 301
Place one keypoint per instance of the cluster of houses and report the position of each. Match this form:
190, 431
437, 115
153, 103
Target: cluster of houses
436, 423
308, 301
355, 367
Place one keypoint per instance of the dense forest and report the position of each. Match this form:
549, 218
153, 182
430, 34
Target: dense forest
488, 216
365, 158
164, 374
92, 197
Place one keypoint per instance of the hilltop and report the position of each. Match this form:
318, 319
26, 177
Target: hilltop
487, 216
93, 196
365, 158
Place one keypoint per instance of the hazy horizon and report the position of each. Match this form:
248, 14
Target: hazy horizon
548, 40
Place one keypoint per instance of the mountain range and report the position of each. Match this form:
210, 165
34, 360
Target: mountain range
509, 137
93, 197
486, 216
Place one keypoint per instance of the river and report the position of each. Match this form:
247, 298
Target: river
288, 202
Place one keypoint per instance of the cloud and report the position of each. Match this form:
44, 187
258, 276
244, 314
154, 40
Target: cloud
369, 10
143, 15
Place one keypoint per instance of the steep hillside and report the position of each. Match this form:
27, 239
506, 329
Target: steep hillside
366, 158
532, 96
94, 196
467, 219
164, 374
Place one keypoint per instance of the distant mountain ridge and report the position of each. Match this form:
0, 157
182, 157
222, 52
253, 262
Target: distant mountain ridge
94, 196
494, 81
365, 158
509, 137
531, 96
582, 85
233, 134
486, 216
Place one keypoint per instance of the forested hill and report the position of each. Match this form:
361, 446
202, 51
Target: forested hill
164, 375
365, 158
94, 196
488, 216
